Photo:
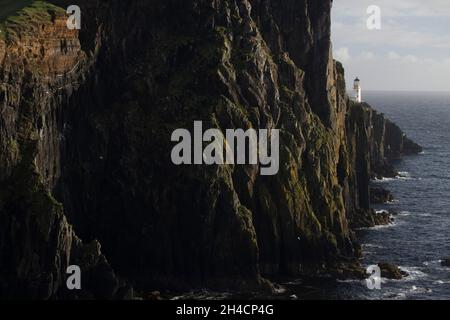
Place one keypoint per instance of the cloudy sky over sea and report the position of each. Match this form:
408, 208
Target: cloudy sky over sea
411, 51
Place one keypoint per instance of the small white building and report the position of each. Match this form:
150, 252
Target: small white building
357, 90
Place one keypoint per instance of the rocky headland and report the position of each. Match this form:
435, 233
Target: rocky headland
85, 124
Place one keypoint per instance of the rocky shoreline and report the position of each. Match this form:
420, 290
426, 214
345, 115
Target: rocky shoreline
380, 195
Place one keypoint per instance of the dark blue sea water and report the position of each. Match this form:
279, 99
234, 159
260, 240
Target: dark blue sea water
420, 236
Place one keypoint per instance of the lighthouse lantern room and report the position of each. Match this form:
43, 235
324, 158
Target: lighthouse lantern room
357, 90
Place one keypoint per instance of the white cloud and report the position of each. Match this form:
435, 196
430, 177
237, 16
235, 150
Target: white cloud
411, 58
397, 8
400, 72
393, 55
342, 54
367, 55
411, 51
397, 35
403, 23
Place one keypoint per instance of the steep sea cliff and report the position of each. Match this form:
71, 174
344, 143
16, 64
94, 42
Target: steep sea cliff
85, 124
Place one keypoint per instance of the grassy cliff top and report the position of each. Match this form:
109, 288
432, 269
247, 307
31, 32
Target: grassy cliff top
16, 15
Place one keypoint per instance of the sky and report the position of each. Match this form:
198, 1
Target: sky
411, 51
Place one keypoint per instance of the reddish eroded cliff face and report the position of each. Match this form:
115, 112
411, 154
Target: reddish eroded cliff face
41, 63
49, 47
85, 126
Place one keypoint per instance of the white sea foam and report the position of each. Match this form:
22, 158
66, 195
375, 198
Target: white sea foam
425, 215
383, 179
404, 213
279, 290
414, 273
436, 264
395, 201
386, 226
371, 245
404, 174
381, 227
432, 263
395, 296
419, 290
351, 281
294, 282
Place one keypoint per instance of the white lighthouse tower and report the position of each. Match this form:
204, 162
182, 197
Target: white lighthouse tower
357, 90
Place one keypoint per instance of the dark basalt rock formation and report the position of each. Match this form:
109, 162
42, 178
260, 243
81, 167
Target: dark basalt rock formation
85, 125
390, 271
36, 241
397, 144
380, 195
370, 218
445, 262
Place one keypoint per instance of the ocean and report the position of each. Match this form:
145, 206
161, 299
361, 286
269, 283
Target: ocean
420, 236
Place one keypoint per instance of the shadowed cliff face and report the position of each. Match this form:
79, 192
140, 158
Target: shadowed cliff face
41, 65
85, 127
